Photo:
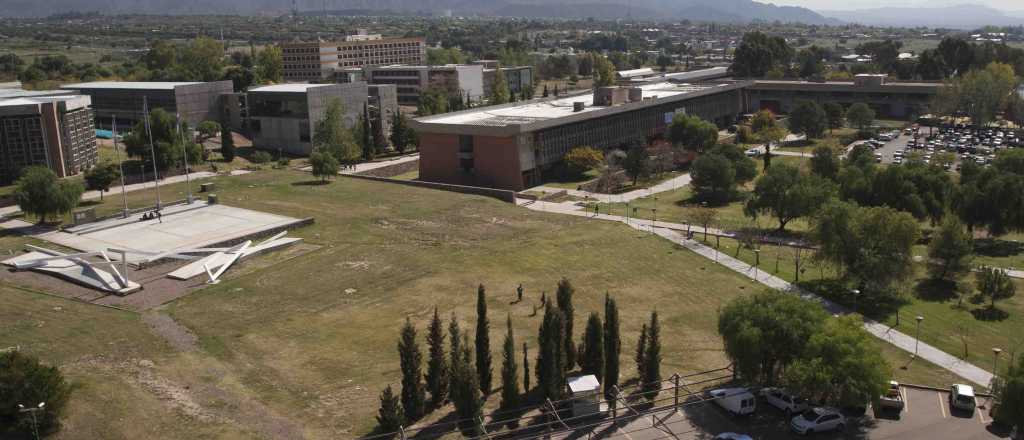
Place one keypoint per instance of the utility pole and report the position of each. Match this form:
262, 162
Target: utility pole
184, 155
152, 151
120, 164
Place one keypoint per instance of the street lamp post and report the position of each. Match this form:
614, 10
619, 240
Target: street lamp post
757, 261
654, 217
995, 359
856, 295
917, 338
32, 411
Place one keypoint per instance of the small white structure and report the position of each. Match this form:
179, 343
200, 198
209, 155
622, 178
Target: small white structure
75, 268
586, 396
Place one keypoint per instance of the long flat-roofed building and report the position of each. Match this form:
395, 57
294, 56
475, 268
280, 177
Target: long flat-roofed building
511, 146
888, 99
466, 80
283, 117
194, 101
319, 60
55, 131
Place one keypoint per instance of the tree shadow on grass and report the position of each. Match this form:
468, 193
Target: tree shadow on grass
990, 314
311, 183
874, 306
991, 247
937, 290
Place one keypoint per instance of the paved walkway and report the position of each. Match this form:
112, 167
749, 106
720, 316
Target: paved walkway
671, 232
668, 185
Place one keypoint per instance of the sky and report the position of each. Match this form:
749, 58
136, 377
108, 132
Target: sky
1008, 5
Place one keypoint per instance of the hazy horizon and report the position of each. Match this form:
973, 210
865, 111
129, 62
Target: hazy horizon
833, 5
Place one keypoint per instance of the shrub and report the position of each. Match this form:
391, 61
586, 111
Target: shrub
582, 159
261, 157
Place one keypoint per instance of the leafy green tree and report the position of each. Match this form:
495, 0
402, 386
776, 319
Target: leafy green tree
413, 393
860, 115
764, 333
811, 61
208, 129
324, 164
162, 55
270, 64
713, 178
438, 373
992, 197
841, 365
390, 416
652, 359
579, 160
432, 101
563, 297
551, 358
604, 71
949, 253
332, 136
241, 78
364, 133
227, 145
993, 283
835, 114
592, 360
40, 193
639, 357
808, 118
201, 60
759, 53
25, 380
981, 94
824, 162
692, 133
509, 370
636, 164
483, 341
787, 194
612, 344
441, 56
745, 167
167, 144
100, 177
1009, 393
499, 88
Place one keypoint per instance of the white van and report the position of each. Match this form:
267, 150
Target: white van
738, 401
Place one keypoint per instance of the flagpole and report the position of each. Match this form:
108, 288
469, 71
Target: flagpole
120, 163
184, 154
152, 151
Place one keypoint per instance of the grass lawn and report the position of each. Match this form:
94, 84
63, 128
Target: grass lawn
305, 347
571, 182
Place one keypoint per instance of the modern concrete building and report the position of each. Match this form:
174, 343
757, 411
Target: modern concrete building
384, 100
888, 99
511, 146
194, 101
519, 78
283, 117
317, 61
465, 79
56, 131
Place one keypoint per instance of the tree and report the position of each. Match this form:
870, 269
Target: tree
167, 144
324, 164
764, 333
841, 365
664, 61
23, 379
703, 216
483, 341
636, 164
526, 369
579, 160
652, 359
713, 178
808, 118
551, 356
100, 177
207, 130
499, 88
434, 100
949, 253
592, 360
201, 60
860, 115
509, 370
390, 416
40, 193
980, 94
835, 114
365, 134
413, 393
466, 393
824, 162
692, 133
241, 78
758, 53
563, 297
639, 357
745, 167
763, 120
604, 71
993, 283
787, 194
455, 336
270, 64
1009, 392
227, 145
332, 136
437, 365
399, 132
612, 344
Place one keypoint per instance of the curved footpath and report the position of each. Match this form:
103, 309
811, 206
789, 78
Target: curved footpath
669, 231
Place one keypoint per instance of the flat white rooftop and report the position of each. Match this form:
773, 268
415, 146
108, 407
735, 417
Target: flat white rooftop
535, 111
137, 85
287, 88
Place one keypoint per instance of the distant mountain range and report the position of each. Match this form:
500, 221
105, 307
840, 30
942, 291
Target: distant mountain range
738, 11
957, 17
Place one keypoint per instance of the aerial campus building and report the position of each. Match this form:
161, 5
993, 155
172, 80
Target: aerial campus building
319, 61
512, 146
51, 128
194, 101
283, 116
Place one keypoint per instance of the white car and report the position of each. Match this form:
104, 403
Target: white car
738, 401
784, 401
962, 397
753, 152
818, 420
732, 436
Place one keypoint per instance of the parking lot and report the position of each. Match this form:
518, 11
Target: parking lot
926, 416
978, 146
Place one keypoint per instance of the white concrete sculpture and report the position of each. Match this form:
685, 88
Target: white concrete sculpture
75, 268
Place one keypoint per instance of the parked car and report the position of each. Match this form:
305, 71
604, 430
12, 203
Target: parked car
784, 401
738, 401
753, 152
732, 436
893, 398
818, 420
962, 397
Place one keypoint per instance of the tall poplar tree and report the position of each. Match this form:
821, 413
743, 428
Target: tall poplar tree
455, 336
437, 364
593, 347
652, 359
509, 370
612, 344
526, 369
564, 299
551, 359
466, 391
413, 393
389, 416
483, 342
641, 345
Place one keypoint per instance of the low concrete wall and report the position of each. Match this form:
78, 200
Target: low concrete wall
393, 170
500, 194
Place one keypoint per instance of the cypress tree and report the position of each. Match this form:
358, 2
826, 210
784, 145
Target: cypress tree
652, 358
509, 370
466, 391
413, 393
389, 416
483, 342
454, 335
367, 134
437, 365
564, 299
545, 93
227, 144
592, 360
526, 370
612, 344
551, 359
640, 358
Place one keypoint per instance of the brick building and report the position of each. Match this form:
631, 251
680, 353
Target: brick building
56, 131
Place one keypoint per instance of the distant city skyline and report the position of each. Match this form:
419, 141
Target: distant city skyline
825, 5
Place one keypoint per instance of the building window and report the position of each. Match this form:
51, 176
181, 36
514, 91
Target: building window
465, 144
